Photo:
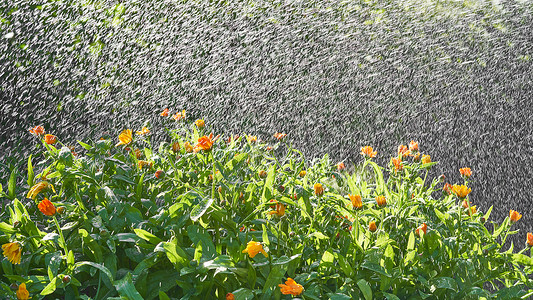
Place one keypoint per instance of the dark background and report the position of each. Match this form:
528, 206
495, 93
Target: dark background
334, 75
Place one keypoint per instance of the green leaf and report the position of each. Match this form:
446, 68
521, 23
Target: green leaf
51, 287
197, 234
163, 296
375, 267
243, 294
199, 209
143, 234
12, 184
139, 189
365, 289
267, 188
177, 256
390, 296
265, 235
6, 228
444, 283
31, 173
274, 278
339, 296
86, 146
126, 288
487, 214
522, 259
411, 242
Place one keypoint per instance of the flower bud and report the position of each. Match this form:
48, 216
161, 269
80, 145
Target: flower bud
442, 178
292, 234
16, 224
61, 210
262, 174
104, 233
482, 220
159, 174
14, 287
220, 189
66, 279
281, 188
372, 226
302, 173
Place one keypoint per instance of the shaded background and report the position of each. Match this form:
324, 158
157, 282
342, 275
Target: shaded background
456, 76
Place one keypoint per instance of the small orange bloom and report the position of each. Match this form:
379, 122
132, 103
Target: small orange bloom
416, 157
413, 146
164, 113
472, 210
461, 190
50, 139
381, 201
422, 227
372, 226
280, 210
403, 151
125, 137
466, 172
280, 136
159, 174
12, 251
143, 131
253, 248
426, 159
230, 296
319, 189
188, 147
22, 292
357, 202
366, 151
138, 153
200, 123
302, 173
397, 162
46, 207
204, 143
514, 216
176, 147
144, 164
37, 188
447, 188
530, 239
340, 166
291, 287
466, 204
37, 130
180, 115
262, 174
252, 138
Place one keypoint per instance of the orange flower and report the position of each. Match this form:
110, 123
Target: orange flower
144, 164
381, 201
319, 189
366, 151
37, 130
200, 123
416, 157
447, 188
230, 296
252, 138
461, 190
138, 153
280, 210
37, 188
180, 115
164, 113
50, 139
472, 210
188, 147
422, 227
280, 136
426, 159
291, 287
125, 137
253, 248
302, 173
530, 239
340, 166
159, 174
514, 215
372, 226
403, 151
13, 252
466, 172
47, 208
143, 131
22, 292
176, 147
397, 164
204, 143
356, 201
262, 174
413, 146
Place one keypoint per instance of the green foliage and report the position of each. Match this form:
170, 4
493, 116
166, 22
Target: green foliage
121, 231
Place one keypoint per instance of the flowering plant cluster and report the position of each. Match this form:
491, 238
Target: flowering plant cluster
212, 217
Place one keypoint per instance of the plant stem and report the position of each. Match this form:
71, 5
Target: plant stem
62, 238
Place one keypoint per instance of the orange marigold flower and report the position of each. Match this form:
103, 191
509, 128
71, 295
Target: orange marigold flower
12, 251
366, 151
356, 201
319, 189
262, 174
416, 157
340, 166
37, 188
46, 207
125, 137
180, 115
50, 139
466, 204
302, 173
22, 292
280, 136
372, 226
252, 138
472, 210
530, 239
204, 143
164, 113
461, 190
381, 201
176, 147
253, 248
422, 227
138, 153
143, 131
280, 210
413, 146
291, 287
188, 147
230, 296
466, 172
200, 123
144, 164
403, 151
514, 216
37, 130
397, 162
447, 188
426, 159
